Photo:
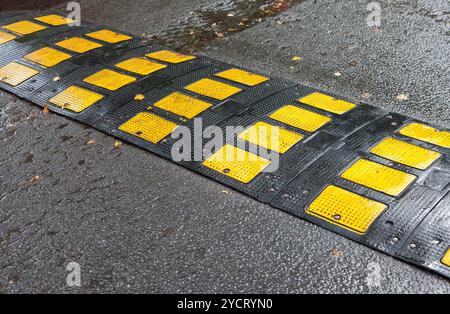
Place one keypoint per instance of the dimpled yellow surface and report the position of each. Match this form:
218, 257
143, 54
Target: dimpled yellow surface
300, 118
243, 77
76, 99
149, 127
328, 103
427, 134
182, 105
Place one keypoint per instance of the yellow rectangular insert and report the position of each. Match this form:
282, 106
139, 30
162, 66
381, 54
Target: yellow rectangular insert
405, 153
379, 177
15, 73
271, 137
149, 127
328, 103
47, 57
5, 37
182, 105
24, 27
78, 44
300, 118
346, 209
243, 77
236, 163
446, 259
170, 56
76, 99
109, 36
427, 134
54, 20
213, 89
110, 80
140, 66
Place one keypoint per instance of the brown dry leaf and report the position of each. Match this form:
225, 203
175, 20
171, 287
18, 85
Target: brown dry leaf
45, 109
337, 253
90, 142
117, 144
402, 97
34, 179
225, 192
220, 35
56, 79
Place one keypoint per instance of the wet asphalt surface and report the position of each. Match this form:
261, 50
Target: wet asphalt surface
138, 223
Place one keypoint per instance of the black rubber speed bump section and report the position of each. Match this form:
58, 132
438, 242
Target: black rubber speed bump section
376, 177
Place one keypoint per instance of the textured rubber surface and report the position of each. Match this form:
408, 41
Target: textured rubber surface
379, 178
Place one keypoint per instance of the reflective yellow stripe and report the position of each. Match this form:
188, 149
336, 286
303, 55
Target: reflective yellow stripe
5, 37
47, 57
15, 73
54, 20
346, 209
110, 80
271, 137
76, 99
300, 118
170, 56
405, 153
236, 163
140, 66
379, 177
109, 36
213, 89
427, 134
446, 259
182, 105
243, 77
78, 44
24, 27
149, 127
328, 103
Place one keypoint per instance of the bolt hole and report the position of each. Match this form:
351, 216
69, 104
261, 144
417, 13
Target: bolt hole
337, 217
226, 170
138, 133
413, 245
395, 239
271, 189
389, 223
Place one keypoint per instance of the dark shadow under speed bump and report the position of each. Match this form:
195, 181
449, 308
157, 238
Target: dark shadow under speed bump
446, 259
109, 80
47, 57
24, 27
406, 154
78, 44
170, 56
140, 66
5, 37
149, 127
327, 103
243, 77
427, 134
15, 73
236, 163
109, 36
213, 89
54, 20
182, 105
271, 137
300, 118
76, 99
346, 209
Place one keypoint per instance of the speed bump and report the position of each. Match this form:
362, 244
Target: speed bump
15, 73
374, 176
346, 209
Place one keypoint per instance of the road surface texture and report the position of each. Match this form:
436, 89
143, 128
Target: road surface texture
138, 223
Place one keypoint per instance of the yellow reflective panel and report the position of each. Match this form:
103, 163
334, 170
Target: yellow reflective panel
346, 209
24, 27
15, 73
236, 163
47, 57
446, 259
110, 80
300, 118
379, 177
170, 56
140, 66
405, 153
76, 99
109, 36
328, 103
213, 89
149, 127
271, 137
427, 134
54, 20
182, 105
78, 44
5, 37
243, 77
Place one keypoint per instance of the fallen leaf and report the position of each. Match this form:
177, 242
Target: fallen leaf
402, 97
139, 97
117, 144
225, 192
296, 58
90, 142
35, 178
337, 253
56, 78
337, 74
45, 109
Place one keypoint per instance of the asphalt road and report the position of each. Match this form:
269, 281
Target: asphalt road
137, 223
